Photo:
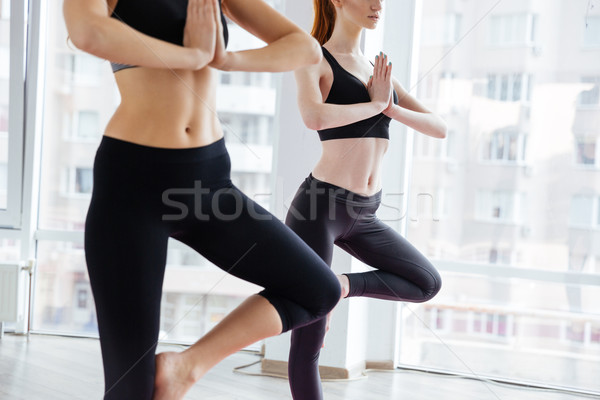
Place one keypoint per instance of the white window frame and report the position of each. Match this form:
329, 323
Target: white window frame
10, 217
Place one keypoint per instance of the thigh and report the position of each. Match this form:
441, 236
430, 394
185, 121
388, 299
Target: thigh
310, 219
245, 240
379, 246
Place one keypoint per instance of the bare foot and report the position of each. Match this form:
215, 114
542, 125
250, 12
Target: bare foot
173, 376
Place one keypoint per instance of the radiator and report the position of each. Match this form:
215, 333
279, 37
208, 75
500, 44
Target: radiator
9, 284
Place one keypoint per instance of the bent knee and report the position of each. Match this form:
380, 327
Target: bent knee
328, 294
433, 290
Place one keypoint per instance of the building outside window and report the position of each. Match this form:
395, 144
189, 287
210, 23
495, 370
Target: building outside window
528, 207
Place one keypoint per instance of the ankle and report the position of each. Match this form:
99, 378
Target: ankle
195, 370
345, 284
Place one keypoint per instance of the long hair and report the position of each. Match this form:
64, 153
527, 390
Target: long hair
324, 20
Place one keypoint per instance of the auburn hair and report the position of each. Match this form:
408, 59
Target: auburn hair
324, 20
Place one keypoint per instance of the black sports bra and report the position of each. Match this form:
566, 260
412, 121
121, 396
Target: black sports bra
162, 19
348, 89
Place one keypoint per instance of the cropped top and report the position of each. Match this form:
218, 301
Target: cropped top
348, 89
162, 19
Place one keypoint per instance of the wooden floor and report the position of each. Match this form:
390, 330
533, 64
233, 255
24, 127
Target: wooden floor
60, 368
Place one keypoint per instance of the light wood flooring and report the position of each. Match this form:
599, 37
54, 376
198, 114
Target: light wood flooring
63, 368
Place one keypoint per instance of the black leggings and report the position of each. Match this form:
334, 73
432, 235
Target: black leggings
323, 214
142, 196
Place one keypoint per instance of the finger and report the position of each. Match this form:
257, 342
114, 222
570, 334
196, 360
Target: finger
190, 8
215, 10
377, 66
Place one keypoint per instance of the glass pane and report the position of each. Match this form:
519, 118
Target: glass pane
4, 96
535, 331
80, 96
63, 298
10, 250
592, 30
537, 209
196, 295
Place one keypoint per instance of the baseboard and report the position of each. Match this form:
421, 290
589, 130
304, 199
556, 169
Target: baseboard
386, 365
280, 368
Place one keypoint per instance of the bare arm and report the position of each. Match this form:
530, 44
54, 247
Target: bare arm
319, 115
412, 113
92, 30
288, 46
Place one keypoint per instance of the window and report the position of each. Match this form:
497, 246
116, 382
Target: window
13, 24
488, 324
82, 298
441, 30
225, 78
506, 146
4, 119
508, 87
87, 69
87, 125
501, 206
501, 256
4, 98
78, 181
584, 211
586, 150
512, 29
83, 180
513, 235
591, 34
591, 95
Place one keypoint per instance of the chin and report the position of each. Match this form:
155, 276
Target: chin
372, 24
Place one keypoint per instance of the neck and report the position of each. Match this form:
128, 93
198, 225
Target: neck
345, 37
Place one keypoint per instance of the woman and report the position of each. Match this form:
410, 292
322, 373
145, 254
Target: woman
162, 170
336, 204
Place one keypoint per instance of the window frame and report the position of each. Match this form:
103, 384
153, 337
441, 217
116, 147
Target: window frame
10, 217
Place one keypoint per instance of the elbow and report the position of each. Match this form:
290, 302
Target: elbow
315, 53
310, 50
313, 122
86, 36
440, 130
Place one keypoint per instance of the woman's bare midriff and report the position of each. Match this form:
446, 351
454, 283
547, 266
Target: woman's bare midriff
164, 108
353, 164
